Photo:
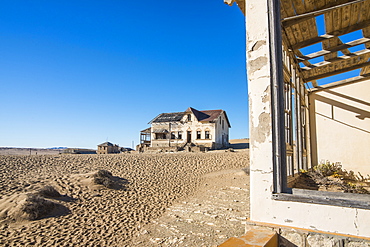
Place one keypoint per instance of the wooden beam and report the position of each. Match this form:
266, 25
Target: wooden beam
320, 76
331, 35
342, 82
292, 20
333, 49
353, 56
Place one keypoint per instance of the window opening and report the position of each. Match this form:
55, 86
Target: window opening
198, 134
160, 136
207, 135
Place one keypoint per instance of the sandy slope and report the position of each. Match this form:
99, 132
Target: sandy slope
97, 216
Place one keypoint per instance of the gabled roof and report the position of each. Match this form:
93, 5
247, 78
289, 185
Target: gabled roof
168, 117
105, 144
208, 115
201, 116
147, 130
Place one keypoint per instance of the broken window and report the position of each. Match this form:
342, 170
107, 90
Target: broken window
179, 135
207, 135
160, 136
173, 135
198, 134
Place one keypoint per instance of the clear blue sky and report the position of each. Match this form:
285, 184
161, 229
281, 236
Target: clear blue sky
78, 73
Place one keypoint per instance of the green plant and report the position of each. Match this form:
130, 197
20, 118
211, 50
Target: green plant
328, 169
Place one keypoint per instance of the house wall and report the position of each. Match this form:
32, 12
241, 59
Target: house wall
107, 149
215, 129
263, 208
101, 150
340, 122
222, 134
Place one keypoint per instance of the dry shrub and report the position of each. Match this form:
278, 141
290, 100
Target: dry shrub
35, 207
328, 175
48, 191
104, 178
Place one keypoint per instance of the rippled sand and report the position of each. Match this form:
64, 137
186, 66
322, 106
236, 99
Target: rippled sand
98, 216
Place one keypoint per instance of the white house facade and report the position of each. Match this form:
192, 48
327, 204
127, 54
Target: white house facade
208, 128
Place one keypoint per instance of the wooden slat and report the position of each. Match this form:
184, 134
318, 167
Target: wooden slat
355, 9
311, 13
335, 33
366, 34
363, 11
335, 72
305, 25
354, 58
291, 32
342, 82
329, 27
346, 15
340, 47
310, 6
306, 63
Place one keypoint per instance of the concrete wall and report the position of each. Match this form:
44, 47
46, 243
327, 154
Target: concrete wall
263, 207
340, 122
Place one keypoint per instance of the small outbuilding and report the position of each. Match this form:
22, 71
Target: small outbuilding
108, 148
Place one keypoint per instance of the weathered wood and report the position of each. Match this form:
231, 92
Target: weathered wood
340, 199
335, 72
349, 60
295, 19
329, 50
329, 27
352, 80
335, 33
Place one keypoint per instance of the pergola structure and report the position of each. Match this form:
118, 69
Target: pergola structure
308, 73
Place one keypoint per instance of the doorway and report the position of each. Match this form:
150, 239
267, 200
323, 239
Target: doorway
188, 139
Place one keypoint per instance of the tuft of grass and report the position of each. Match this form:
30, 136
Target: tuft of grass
104, 178
48, 191
36, 207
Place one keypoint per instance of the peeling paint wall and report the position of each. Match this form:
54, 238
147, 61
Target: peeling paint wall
217, 133
263, 207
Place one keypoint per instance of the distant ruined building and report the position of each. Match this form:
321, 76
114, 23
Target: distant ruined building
189, 130
108, 148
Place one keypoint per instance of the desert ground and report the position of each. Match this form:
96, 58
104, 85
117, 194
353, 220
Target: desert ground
164, 199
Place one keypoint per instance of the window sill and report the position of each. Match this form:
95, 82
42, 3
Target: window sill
350, 200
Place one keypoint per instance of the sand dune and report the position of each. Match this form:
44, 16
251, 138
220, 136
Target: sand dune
97, 215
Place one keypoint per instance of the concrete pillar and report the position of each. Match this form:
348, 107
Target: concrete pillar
260, 121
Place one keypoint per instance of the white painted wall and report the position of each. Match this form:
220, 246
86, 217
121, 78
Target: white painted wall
215, 129
263, 208
340, 119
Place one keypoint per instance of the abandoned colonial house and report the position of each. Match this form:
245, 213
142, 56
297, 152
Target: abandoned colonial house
108, 148
207, 129
308, 69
